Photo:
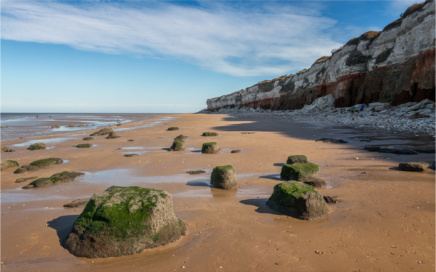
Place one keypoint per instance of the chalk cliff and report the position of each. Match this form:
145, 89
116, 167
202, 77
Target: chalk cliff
396, 65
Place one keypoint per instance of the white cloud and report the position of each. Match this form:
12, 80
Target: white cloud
268, 40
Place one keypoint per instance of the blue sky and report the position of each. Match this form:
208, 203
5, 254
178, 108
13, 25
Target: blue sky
165, 56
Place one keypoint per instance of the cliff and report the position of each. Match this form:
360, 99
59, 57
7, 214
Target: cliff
396, 65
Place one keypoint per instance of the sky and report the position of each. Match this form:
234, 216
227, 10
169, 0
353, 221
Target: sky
150, 56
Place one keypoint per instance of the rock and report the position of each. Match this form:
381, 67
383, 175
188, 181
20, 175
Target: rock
235, 151
55, 126
390, 150
130, 155
89, 138
46, 162
8, 164
414, 166
130, 140
65, 176
298, 171
172, 128
83, 145
20, 180
37, 146
181, 137
210, 148
123, 221
223, 177
320, 104
209, 134
178, 145
71, 125
196, 172
112, 135
296, 159
314, 182
297, 199
25, 168
7, 149
331, 140
77, 203
103, 131
331, 199
248, 132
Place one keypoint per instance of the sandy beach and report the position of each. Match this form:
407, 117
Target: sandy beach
384, 221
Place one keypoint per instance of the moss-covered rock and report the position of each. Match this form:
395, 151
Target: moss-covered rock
124, 221
46, 162
298, 171
8, 164
210, 148
112, 135
65, 176
413, 166
314, 182
178, 145
83, 145
297, 199
172, 128
88, 138
209, 134
20, 180
25, 168
36, 146
103, 131
223, 177
7, 149
296, 159
181, 137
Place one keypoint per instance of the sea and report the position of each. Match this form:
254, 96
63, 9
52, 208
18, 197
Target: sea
27, 125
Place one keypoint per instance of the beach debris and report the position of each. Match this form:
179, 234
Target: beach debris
103, 131
77, 203
178, 145
210, 148
20, 180
331, 199
314, 182
130, 155
390, 150
112, 135
298, 171
297, 199
181, 137
36, 146
8, 164
83, 146
124, 221
88, 138
56, 178
196, 172
414, 166
7, 149
235, 151
209, 134
296, 159
172, 128
331, 140
223, 177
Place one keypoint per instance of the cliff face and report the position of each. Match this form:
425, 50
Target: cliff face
395, 65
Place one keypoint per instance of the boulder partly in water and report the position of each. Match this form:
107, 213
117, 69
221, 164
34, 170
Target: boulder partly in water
223, 177
123, 221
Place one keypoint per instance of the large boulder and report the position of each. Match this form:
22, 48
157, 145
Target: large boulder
414, 166
210, 148
124, 221
36, 146
103, 131
172, 128
223, 177
296, 159
54, 179
178, 145
298, 199
298, 171
112, 135
8, 164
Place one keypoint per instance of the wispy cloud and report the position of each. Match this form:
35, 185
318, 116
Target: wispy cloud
266, 40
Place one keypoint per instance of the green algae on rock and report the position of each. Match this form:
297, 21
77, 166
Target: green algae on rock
296, 159
46, 162
8, 164
209, 134
83, 145
7, 149
112, 135
297, 199
223, 177
103, 131
25, 168
172, 128
88, 138
124, 221
181, 137
178, 145
65, 176
25, 179
210, 148
36, 146
298, 171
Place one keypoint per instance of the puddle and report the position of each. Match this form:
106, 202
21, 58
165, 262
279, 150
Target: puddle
45, 141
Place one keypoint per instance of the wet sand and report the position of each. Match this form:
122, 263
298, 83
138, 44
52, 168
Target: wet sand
385, 220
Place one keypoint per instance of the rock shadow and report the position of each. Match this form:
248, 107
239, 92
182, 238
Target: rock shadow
199, 183
196, 151
279, 164
260, 203
63, 226
273, 177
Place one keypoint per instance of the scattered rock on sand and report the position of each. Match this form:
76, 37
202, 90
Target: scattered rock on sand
83, 145
112, 135
103, 131
247, 132
209, 134
89, 138
178, 145
297, 199
25, 168
56, 178
235, 151
181, 137
7, 149
196, 172
296, 159
20, 180
331, 199
223, 177
130, 140
46, 162
331, 140
414, 166
172, 128
37, 146
130, 155
390, 150
314, 182
298, 171
8, 164
77, 203
124, 221
210, 148
55, 126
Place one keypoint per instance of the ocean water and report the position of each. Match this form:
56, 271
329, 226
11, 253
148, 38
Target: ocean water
26, 125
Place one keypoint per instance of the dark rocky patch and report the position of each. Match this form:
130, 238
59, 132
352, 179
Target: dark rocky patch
223, 177
390, 150
209, 134
331, 199
20, 180
248, 132
103, 131
196, 172
112, 135
172, 128
296, 159
7, 149
83, 145
210, 148
8, 164
181, 137
37, 146
124, 221
89, 138
55, 126
414, 166
130, 155
25, 168
130, 140
77, 203
178, 145
46, 162
331, 140
65, 176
